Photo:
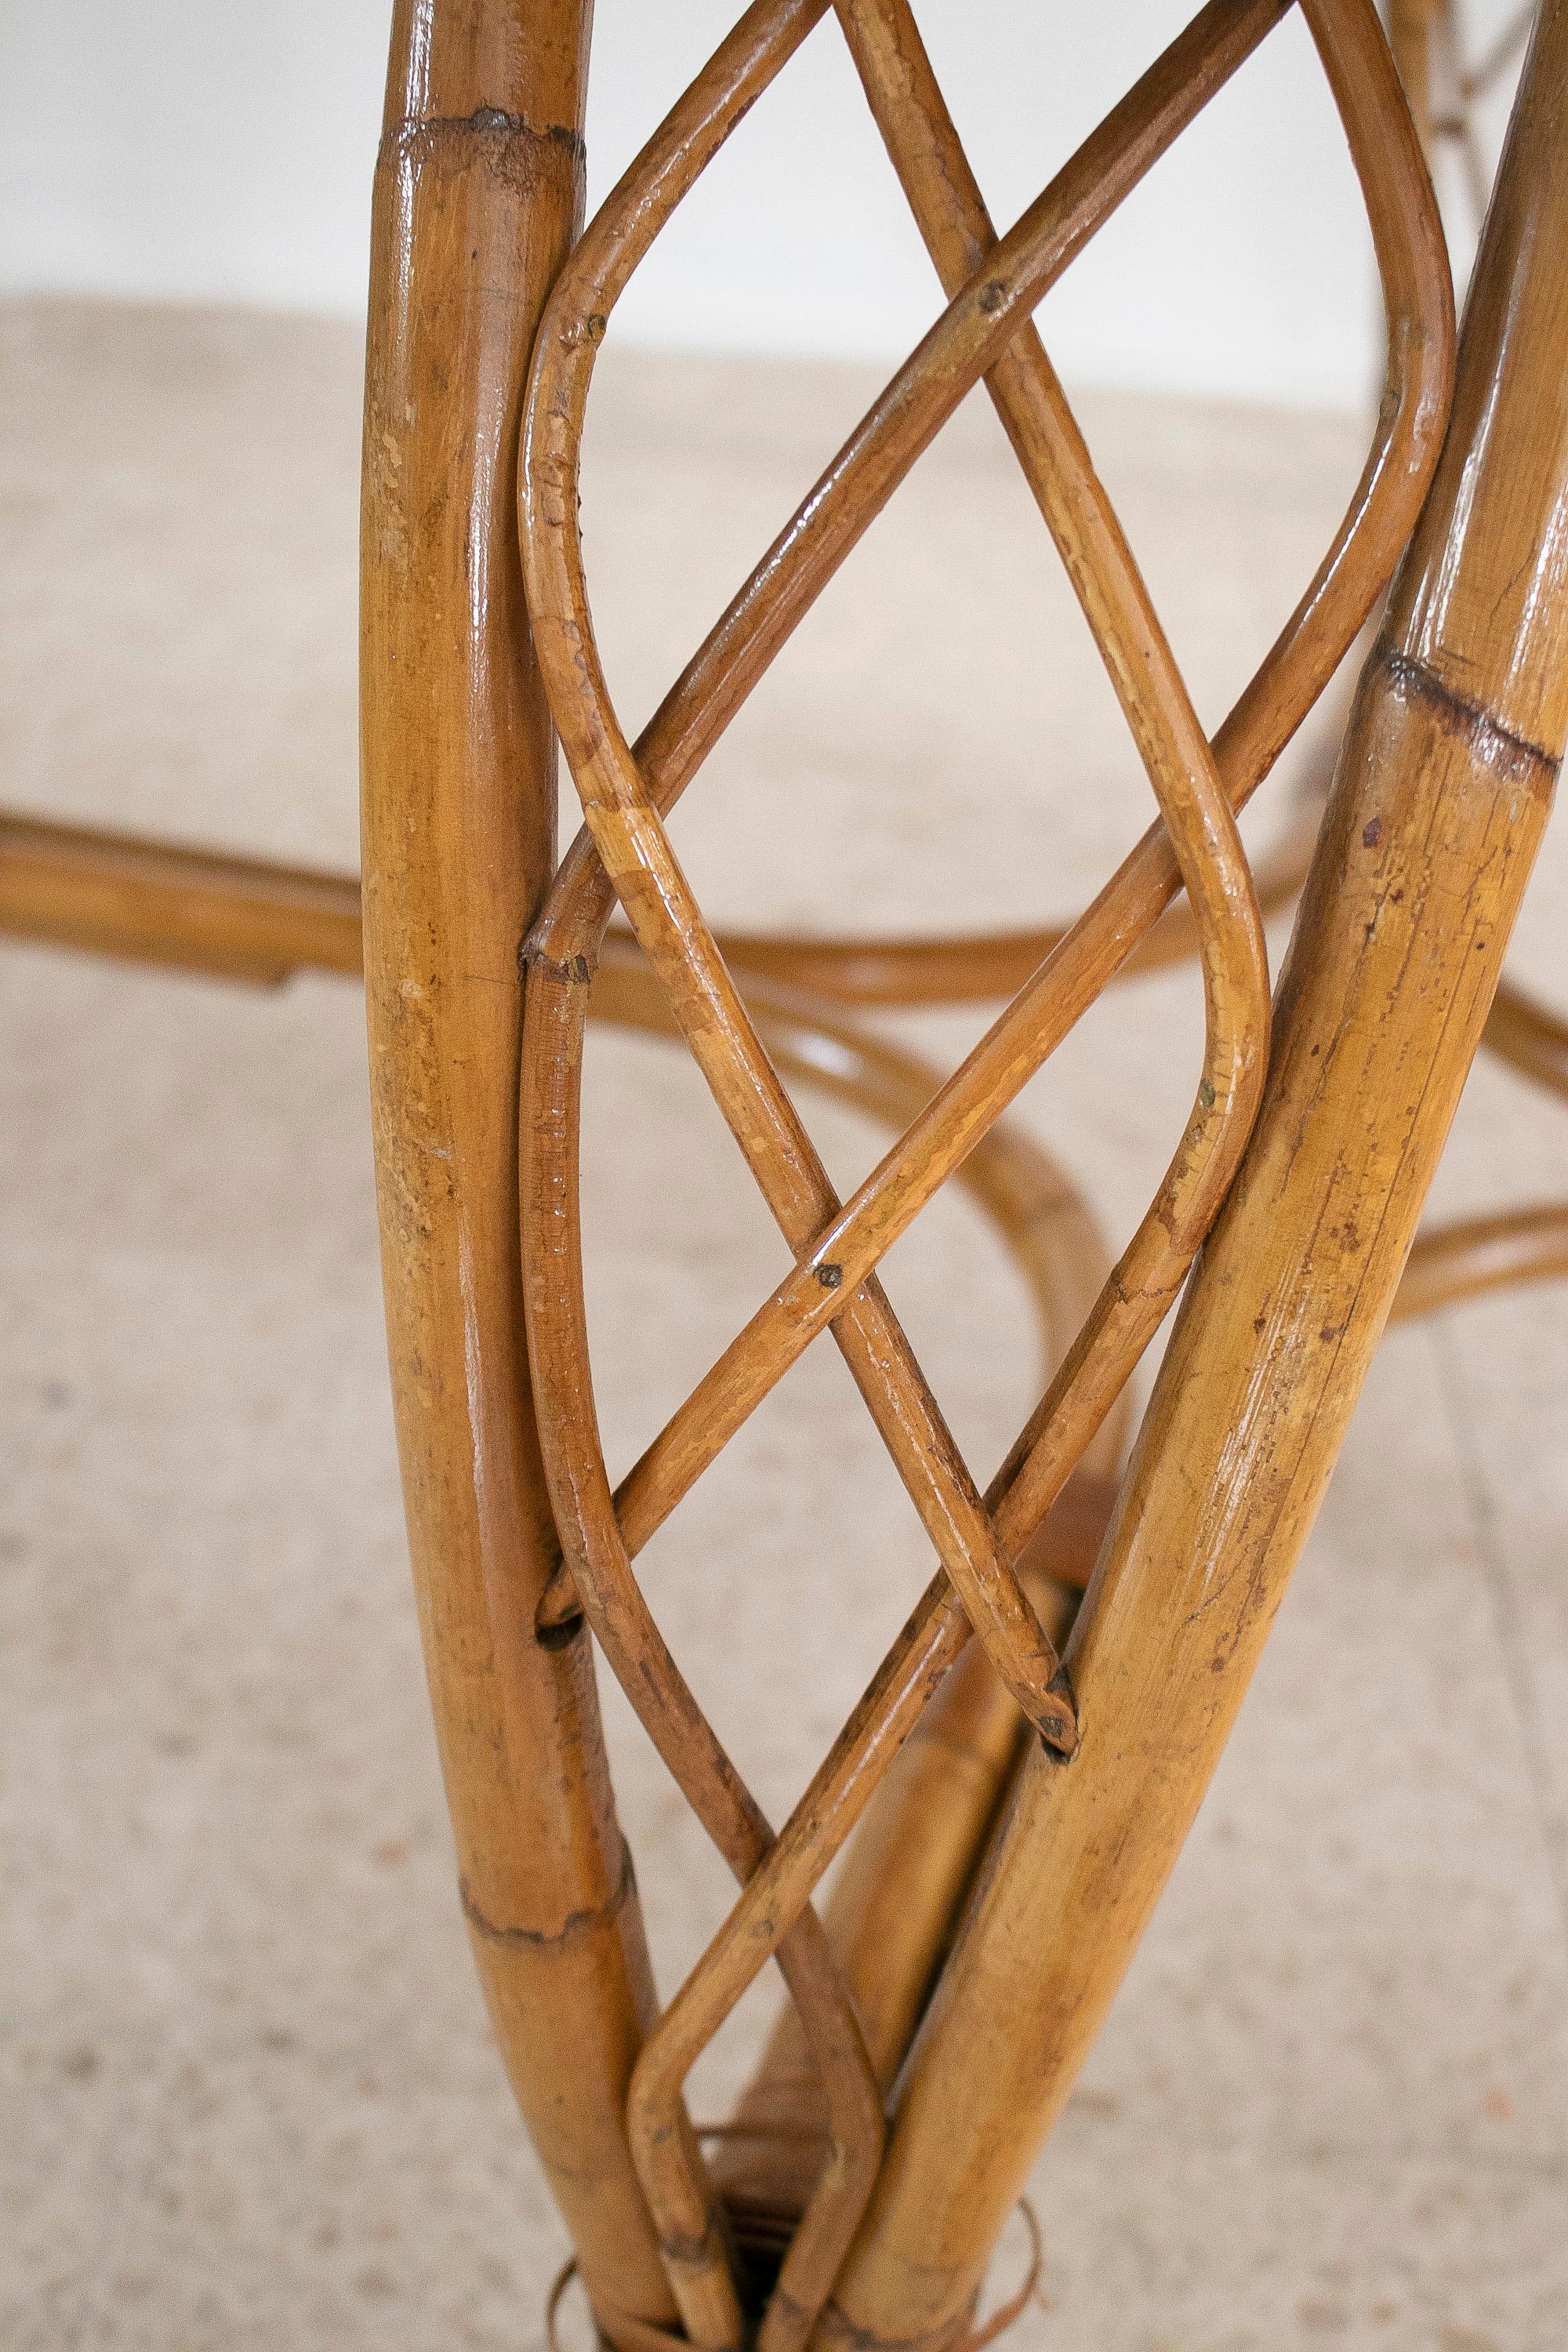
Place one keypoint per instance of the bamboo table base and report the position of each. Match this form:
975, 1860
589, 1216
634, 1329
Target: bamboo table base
1012, 1805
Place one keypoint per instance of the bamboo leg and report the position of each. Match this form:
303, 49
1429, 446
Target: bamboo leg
477, 197
1441, 796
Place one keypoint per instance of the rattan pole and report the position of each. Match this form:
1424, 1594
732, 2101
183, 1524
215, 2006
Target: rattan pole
1442, 794
477, 196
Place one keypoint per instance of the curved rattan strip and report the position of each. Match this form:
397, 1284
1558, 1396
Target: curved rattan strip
698, 2269
1338, 552
951, 212
1414, 270
1039, 1217
690, 2235
804, 556
1388, 159
559, 977
636, 849
1048, 1231
949, 208
837, 1791
1022, 1190
978, 967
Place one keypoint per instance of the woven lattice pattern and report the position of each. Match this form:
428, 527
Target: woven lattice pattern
992, 286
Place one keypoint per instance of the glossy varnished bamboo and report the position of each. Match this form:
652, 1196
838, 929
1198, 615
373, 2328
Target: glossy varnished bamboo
478, 192
1442, 792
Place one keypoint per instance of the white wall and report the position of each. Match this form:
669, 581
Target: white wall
194, 149
210, 150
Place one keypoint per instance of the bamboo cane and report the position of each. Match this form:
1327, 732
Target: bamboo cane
478, 192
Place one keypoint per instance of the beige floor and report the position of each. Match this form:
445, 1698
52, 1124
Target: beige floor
247, 2098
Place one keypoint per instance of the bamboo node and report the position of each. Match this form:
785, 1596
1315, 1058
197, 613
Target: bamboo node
1513, 758
572, 1928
